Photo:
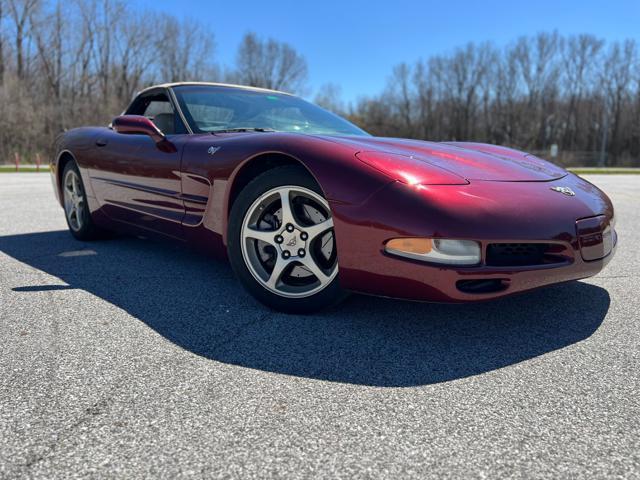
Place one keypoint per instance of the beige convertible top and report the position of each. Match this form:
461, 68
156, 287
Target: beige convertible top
244, 87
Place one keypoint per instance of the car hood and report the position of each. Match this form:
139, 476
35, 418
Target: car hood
471, 161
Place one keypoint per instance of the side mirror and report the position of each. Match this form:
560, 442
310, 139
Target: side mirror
137, 124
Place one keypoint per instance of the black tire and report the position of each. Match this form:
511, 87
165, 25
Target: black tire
87, 229
277, 177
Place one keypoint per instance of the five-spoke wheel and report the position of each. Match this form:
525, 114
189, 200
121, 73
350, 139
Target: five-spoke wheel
76, 209
286, 247
73, 199
288, 242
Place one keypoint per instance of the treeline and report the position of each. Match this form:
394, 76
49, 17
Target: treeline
65, 64
577, 93
69, 63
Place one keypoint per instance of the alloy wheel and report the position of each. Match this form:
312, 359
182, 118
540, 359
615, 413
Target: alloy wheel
73, 200
288, 242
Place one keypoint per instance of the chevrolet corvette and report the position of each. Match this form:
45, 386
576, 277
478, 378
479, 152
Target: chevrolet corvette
307, 206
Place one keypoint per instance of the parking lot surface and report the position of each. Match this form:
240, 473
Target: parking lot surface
128, 359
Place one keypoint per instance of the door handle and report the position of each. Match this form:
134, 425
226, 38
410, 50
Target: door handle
101, 142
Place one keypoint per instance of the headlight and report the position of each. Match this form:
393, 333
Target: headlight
436, 250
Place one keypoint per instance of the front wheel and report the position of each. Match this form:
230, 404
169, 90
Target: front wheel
281, 242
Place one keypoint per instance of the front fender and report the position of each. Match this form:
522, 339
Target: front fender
343, 179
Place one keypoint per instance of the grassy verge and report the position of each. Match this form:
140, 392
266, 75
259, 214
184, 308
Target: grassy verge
605, 171
23, 168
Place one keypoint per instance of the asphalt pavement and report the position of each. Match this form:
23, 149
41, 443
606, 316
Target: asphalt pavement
132, 359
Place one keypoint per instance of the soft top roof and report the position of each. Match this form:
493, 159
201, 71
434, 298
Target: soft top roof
213, 84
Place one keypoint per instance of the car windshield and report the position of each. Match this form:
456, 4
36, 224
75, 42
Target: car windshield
210, 108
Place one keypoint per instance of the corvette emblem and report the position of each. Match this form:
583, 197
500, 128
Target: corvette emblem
212, 150
292, 242
564, 190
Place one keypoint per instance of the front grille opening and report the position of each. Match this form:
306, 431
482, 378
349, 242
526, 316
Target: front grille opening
522, 254
487, 285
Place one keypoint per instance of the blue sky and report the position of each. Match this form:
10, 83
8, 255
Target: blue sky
356, 43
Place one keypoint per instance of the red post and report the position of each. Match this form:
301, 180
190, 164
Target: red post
37, 162
17, 161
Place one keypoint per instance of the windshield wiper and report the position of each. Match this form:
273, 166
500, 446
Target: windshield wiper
242, 129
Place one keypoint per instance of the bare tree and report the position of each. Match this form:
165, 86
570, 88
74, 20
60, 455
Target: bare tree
48, 34
425, 98
468, 69
399, 91
2, 67
539, 70
329, 96
20, 12
188, 51
619, 66
506, 98
270, 64
581, 61
132, 57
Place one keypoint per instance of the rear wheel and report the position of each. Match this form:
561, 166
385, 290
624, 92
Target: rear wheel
281, 242
76, 208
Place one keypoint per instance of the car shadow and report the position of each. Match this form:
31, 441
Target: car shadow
194, 302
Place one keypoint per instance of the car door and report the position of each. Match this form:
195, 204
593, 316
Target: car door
135, 181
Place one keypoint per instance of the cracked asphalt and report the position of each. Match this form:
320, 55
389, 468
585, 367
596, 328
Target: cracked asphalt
131, 359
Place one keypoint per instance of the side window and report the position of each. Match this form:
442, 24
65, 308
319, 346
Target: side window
158, 109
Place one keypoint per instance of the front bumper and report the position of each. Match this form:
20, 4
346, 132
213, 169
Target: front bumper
487, 212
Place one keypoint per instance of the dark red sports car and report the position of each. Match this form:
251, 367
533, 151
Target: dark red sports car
308, 206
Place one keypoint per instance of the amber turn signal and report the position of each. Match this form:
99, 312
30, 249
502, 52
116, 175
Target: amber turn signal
418, 246
436, 250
